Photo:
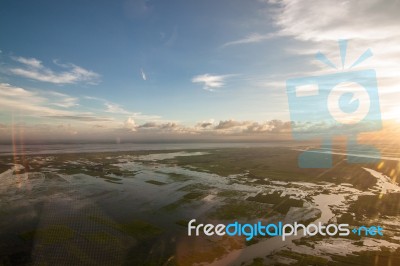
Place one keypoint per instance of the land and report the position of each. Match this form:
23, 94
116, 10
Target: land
132, 208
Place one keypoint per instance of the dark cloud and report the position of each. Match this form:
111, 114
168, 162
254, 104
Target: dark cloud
169, 126
148, 125
204, 125
229, 124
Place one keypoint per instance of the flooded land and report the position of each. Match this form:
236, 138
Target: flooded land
133, 207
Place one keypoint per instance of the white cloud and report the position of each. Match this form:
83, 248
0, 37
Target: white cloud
31, 62
143, 74
82, 117
140, 116
333, 20
130, 124
34, 69
115, 108
252, 38
209, 81
42, 104
373, 24
223, 127
205, 125
205, 129
28, 102
62, 100
251, 127
66, 102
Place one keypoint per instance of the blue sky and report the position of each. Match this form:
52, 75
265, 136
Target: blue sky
110, 67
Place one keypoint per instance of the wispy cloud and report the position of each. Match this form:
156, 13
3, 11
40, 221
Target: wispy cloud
29, 102
110, 106
369, 24
34, 69
210, 82
81, 117
143, 74
115, 108
62, 100
322, 20
42, 104
30, 62
251, 38
140, 116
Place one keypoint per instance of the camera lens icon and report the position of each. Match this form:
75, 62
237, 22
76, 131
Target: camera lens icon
327, 106
348, 103
344, 103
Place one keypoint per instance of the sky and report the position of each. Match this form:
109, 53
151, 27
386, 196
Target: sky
136, 70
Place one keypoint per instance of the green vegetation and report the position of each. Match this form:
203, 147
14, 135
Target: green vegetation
183, 223
281, 204
235, 209
368, 258
93, 164
229, 193
209, 251
50, 235
103, 171
254, 240
197, 186
303, 259
346, 218
193, 195
155, 182
102, 238
376, 205
136, 228
275, 164
257, 262
204, 256
112, 179
259, 163
78, 255
178, 177
187, 198
252, 166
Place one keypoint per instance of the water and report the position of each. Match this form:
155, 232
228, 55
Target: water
85, 148
273, 244
82, 196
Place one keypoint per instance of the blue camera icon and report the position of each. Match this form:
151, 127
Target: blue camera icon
339, 104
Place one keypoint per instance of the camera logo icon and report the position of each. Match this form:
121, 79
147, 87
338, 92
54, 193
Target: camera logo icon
344, 103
